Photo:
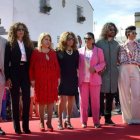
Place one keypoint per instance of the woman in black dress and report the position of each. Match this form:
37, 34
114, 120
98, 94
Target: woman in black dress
68, 58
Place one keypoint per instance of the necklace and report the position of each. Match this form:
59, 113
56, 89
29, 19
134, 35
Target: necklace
46, 51
69, 52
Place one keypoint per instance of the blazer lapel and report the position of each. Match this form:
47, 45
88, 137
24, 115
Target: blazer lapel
17, 49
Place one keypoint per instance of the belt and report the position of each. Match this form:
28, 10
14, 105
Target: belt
22, 63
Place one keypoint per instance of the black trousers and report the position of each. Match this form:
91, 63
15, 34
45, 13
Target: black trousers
20, 82
105, 109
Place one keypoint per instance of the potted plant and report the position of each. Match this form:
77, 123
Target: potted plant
81, 19
47, 8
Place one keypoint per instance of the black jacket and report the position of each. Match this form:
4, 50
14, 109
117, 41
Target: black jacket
12, 59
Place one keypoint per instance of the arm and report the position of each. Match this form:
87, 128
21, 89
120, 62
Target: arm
32, 68
7, 65
77, 60
101, 61
57, 66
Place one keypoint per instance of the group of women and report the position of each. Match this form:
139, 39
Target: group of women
55, 76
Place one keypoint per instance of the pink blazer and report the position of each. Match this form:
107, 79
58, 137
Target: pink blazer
97, 61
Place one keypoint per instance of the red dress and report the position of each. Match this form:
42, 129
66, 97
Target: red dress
45, 73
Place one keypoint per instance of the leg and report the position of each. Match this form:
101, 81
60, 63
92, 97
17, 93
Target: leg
108, 108
95, 103
1, 94
41, 116
26, 107
69, 106
15, 95
124, 93
84, 97
102, 108
61, 107
2, 86
36, 108
49, 119
77, 100
31, 107
3, 112
135, 96
25, 87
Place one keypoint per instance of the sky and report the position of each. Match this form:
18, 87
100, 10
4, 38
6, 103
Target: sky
121, 12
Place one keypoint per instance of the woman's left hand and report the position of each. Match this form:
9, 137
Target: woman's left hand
92, 70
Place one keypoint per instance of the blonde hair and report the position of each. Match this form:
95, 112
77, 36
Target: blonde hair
62, 44
41, 37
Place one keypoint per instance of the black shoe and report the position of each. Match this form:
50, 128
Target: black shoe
109, 122
2, 132
97, 126
27, 131
18, 132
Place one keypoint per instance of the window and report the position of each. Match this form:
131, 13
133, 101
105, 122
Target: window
80, 17
63, 3
45, 6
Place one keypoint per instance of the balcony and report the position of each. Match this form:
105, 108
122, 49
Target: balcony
81, 19
47, 9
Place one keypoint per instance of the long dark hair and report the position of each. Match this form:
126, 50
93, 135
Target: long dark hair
12, 36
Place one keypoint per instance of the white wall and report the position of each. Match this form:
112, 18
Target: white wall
138, 33
60, 19
6, 13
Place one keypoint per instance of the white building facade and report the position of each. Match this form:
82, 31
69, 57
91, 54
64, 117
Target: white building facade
52, 16
137, 23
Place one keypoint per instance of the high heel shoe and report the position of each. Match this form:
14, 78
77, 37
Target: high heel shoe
60, 127
84, 125
42, 128
68, 125
49, 127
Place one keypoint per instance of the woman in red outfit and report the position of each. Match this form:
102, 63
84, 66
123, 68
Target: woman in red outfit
44, 76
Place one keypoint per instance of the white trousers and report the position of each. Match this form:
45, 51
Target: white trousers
129, 92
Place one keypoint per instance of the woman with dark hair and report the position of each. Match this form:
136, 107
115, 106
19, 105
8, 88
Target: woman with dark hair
68, 58
91, 62
129, 77
17, 57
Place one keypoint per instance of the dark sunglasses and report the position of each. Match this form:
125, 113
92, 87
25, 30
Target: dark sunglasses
70, 38
112, 30
87, 38
134, 33
20, 29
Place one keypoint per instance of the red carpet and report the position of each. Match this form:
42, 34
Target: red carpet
118, 132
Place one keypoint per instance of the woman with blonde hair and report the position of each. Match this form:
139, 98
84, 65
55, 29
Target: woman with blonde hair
44, 75
68, 58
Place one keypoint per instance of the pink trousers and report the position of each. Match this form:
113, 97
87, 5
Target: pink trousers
91, 92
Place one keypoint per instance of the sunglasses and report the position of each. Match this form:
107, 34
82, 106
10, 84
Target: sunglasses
87, 38
134, 33
20, 29
112, 30
70, 38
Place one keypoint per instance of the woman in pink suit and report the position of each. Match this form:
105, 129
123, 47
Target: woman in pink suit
91, 63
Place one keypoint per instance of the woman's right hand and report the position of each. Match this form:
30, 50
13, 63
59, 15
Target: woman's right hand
33, 84
9, 83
